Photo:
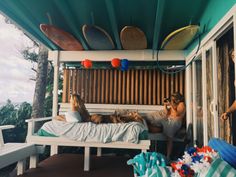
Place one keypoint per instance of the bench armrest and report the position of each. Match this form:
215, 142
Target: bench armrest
4, 127
38, 119
33, 121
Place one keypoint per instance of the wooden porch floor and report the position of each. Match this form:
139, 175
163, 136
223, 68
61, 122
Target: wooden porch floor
64, 165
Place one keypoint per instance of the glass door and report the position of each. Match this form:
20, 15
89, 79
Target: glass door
210, 87
197, 102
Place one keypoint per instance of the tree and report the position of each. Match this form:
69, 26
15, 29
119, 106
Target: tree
41, 83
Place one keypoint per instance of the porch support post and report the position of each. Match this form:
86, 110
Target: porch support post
194, 103
204, 98
188, 75
234, 27
56, 65
189, 109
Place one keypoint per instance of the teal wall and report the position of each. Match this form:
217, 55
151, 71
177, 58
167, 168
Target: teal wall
212, 14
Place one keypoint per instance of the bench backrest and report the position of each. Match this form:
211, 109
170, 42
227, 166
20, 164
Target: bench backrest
110, 108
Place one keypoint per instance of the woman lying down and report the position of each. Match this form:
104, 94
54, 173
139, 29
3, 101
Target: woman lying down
78, 125
79, 113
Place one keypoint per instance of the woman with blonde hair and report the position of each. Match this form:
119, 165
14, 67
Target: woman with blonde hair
78, 112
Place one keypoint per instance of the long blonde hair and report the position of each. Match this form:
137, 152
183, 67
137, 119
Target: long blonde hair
80, 107
76, 100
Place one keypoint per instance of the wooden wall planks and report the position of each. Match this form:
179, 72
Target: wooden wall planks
109, 86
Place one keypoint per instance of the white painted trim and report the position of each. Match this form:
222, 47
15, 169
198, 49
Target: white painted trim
194, 91
14, 152
234, 48
53, 150
86, 158
108, 55
215, 92
111, 108
217, 30
204, 98
33, 161
38, 120
55, 83
61, 141
4, 127
188, 78
116, 106
21, 167
1, 139
99, 152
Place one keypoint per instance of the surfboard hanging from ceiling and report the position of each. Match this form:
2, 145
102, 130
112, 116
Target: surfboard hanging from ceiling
133, 38
97, 38
61, 38
180, 38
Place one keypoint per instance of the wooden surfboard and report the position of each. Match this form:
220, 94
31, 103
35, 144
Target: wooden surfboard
97, 38
180, 39
61, 38
133, 38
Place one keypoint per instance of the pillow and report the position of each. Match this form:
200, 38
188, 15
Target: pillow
226, 150
73, 116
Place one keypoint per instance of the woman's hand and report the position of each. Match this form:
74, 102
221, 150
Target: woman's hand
225, 116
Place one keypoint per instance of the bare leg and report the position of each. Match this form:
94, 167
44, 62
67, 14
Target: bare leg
169, 147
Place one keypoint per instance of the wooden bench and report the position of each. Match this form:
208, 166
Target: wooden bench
16, 152
54, 142
110, 109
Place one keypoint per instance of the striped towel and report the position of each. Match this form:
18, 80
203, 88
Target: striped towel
219, 168
149, 164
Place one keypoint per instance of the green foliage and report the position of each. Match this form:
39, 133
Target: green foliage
11, 114
31, 56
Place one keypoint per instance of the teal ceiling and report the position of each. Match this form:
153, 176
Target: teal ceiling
156, 18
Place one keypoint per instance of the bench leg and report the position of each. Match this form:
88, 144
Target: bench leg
21, 167
99, 152
33, 161
86, 158
144, 150
54, 150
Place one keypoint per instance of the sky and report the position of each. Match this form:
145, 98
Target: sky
15, 71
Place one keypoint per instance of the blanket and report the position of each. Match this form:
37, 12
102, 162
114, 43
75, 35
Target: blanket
90, 132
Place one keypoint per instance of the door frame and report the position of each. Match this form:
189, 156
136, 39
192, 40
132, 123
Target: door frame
208, 41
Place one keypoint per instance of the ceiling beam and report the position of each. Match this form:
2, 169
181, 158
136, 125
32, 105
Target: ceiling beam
113, 21
27, 22
157, 24
66, 11
108, 55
